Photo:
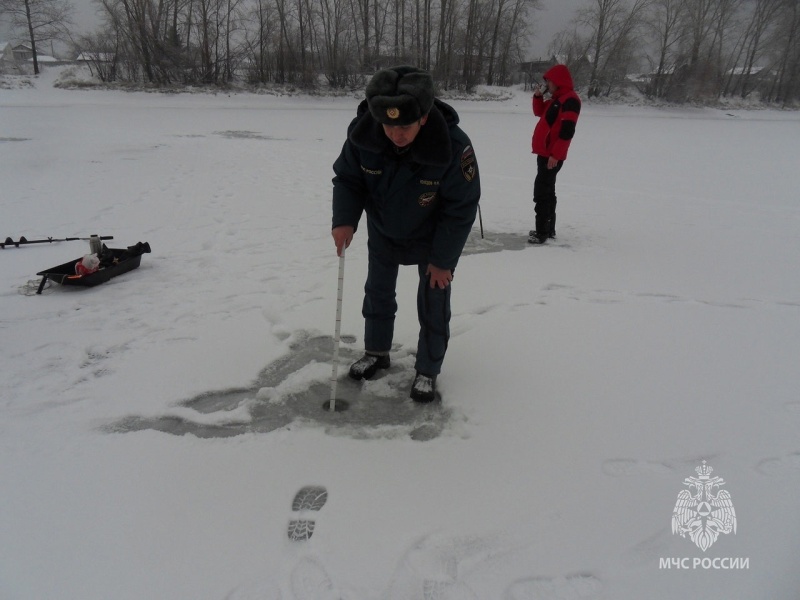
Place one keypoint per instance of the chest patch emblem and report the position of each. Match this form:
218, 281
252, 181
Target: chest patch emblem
426, 198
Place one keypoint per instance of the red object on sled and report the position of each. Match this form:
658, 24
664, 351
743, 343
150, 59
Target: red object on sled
123, 260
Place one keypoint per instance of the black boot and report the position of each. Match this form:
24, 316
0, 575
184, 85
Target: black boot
538, 235
535, 238
366, 366
545, 229
424, 388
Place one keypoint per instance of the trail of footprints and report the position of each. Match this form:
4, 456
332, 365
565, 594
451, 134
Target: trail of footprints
428, 571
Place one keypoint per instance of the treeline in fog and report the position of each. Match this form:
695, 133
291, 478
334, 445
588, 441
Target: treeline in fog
675, 50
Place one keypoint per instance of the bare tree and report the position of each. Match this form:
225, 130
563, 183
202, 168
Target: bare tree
335, 46
399, 45
361, 15
505, 29
450, 19
787, 44
285, 55
613, 25
572, 48
258, 37
515, 34
699, 19
727, 26
101, 52
476, 41
764, 18
663, 22
706, 22
42, 20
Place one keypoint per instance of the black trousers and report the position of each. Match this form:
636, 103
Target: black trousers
544, 197
380, 304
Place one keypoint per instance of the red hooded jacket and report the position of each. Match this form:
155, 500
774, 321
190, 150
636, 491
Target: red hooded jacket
557, 116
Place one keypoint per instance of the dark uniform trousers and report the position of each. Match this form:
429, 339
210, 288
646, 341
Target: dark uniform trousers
380, 304
544, 196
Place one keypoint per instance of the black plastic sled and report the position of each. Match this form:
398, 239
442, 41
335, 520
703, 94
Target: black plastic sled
113, 262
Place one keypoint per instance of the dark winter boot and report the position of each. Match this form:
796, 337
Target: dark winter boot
538, 235
535, 237
366, 366
551, 227
545, 229
424, 388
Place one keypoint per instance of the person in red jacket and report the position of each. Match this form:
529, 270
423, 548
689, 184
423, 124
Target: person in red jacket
551, 138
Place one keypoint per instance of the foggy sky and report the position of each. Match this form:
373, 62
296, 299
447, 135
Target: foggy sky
554, 16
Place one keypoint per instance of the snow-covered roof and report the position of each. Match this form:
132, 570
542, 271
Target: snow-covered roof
744, 71
95, 57
14, 46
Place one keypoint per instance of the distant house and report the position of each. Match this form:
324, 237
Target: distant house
100, 64
20, 52
539, 66
741, 77
13, 56
741, 71
10, 52
95, 57
532, 71
20, 56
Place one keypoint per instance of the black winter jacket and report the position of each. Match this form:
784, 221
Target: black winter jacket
428, 194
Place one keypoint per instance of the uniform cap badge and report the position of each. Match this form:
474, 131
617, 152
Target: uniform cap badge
393, 113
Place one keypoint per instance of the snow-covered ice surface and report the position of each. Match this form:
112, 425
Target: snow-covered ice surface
155, 429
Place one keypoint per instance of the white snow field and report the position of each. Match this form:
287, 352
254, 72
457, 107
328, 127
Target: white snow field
155, 429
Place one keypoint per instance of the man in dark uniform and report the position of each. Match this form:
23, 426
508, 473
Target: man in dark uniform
408, 165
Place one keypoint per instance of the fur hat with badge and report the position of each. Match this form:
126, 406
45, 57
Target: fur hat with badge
400, 95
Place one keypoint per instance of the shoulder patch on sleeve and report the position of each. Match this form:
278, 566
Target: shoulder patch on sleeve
468, 166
